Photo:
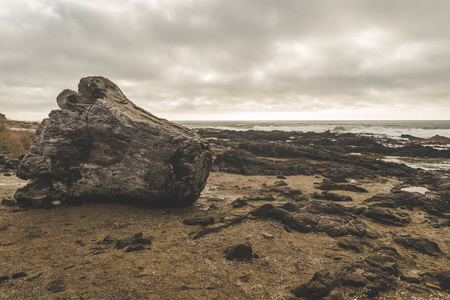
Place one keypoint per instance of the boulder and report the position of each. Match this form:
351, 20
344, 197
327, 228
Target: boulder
101, 145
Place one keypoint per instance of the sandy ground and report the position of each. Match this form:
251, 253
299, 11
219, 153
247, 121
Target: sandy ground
60, 249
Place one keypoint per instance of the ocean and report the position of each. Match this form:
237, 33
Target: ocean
394, 129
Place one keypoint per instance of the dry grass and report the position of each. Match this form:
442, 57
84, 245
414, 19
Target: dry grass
15, 143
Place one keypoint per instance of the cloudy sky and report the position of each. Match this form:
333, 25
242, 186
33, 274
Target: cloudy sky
232, 59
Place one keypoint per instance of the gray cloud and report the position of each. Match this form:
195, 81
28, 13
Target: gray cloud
190, 59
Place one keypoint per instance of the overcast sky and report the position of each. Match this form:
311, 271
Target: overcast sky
255, 59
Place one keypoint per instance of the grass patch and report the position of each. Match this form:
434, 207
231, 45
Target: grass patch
14, 143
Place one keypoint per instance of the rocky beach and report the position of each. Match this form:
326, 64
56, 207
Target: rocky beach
112, 202
284, 215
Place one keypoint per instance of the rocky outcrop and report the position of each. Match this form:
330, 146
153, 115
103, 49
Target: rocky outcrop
101, 145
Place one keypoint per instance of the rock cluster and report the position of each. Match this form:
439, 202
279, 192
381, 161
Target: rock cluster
101, 145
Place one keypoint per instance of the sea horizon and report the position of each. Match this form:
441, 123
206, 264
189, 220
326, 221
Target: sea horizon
391, 128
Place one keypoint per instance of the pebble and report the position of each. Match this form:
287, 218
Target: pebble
239, 252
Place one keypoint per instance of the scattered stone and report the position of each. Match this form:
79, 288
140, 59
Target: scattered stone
301, 222
351, 243
109, 240
353, 279
334, 295
122, 243
291, 207
239, 252
12, 164
56, 286
138, 235
318, 287
18, 275
263, 210
280, 183
281, 177
444, 279
35, 277
423, 245
331, 197
386, 216
294, 194
142, 241
7, 202
279, 213
238, 203
135, 248
100, 144
3, 278
132, 243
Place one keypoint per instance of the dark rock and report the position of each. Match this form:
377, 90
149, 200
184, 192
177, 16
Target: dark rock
142, 241
122, 243
280, 183
353, 279
101, 145
342, 228
278, 213
109, 240
386, 216
334, 295
138, 235
18, 275
294, 194
239, 252
35, 277
3, 278
238, 203
432, 205
326, 208
133, 248
281, 177
7, 202
318, 287
332, 197
12, 164
263, 210
190, 221
423, 245
351, 243
444, 279
260, 198
372, 290
290, 207
301, 222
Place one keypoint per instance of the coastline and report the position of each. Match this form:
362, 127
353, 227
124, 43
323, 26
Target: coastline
297, 178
